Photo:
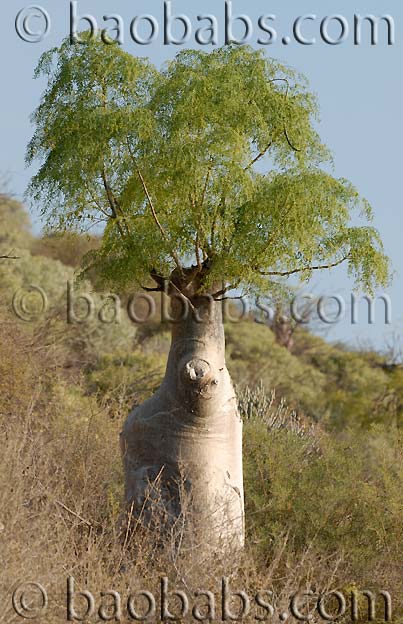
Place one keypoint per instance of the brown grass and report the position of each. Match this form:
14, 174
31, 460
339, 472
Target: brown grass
60, 504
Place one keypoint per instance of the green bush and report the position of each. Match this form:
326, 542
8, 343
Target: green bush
343, 499
132, 377
254, 357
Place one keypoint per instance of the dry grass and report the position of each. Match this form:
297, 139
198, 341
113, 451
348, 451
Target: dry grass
60, 504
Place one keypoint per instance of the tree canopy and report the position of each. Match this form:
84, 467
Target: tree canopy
211, 164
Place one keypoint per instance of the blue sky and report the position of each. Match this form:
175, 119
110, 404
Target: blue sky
360, 91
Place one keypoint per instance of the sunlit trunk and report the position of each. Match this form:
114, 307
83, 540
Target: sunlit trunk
183, 447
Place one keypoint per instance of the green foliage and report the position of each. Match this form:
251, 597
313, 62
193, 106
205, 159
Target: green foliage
327, 383
133, 376
16, 240
76, 344
345, 499
82, 344
167, 159
274, 367
50, 275
359, 389
87, 337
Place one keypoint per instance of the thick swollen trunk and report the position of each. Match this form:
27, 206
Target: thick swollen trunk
182, 448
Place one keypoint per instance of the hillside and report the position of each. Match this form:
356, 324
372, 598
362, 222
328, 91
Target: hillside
322, 439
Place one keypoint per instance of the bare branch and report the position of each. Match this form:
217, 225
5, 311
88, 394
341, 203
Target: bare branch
259, 156
226, 289
307, 268
296, 149
182, 295
241, 298
10, 257
159, 280
150, 290
282, 80
94, 224
73, 513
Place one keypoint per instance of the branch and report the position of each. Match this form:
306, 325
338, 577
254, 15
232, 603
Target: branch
94, 223
153, 211
264, 152
296, 149
241, 298
162, 288
183, 295
226, 289
259, 156
161, 229
205, 187
282, 80
214, 224
197, 250
150, 290
73, 513
197, 241
203, 197
10, 258
96, 202
159, 280
273, 234
302, 269
111, 200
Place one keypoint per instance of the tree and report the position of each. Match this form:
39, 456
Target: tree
167, 161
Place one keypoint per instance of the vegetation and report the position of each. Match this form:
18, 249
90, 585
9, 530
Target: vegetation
167, 161
206, 176
322, 451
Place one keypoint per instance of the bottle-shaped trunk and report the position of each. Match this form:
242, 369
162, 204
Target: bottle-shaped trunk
182, 448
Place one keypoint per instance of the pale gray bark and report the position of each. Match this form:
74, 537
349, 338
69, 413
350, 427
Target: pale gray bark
187, 440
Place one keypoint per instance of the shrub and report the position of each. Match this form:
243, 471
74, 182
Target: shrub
344, 500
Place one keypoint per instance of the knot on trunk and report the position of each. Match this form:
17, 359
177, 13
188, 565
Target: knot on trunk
196, 370
198, 377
